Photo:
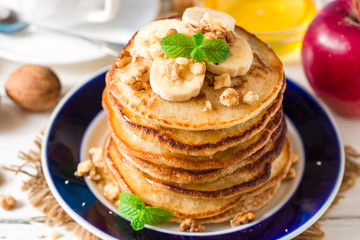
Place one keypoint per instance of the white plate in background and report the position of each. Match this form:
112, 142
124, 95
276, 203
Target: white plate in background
47, 48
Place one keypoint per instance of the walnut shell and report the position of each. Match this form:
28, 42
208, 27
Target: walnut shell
33, 87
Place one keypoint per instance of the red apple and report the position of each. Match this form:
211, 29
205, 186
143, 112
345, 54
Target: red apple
331, 56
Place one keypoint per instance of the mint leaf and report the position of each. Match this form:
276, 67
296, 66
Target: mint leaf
177, 45
157, 216
138, 223
198, 38
197, 54
215, 50
130, 204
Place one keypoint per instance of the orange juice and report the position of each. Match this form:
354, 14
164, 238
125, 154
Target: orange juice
280, 23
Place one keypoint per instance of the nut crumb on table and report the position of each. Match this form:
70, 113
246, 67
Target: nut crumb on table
55, 235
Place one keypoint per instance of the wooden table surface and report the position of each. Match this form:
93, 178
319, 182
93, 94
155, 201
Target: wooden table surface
18, 128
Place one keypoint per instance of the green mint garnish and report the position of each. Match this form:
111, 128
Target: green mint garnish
132, 207
179, 45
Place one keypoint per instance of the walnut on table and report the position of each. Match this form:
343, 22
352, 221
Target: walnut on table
189, 225
7, 202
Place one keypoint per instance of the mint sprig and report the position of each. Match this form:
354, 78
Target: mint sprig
132, 207
179, 45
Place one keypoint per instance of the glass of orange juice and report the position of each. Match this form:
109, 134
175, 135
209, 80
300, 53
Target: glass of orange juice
280, 23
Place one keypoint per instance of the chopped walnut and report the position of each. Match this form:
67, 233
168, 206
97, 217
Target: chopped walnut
242, 218
229, 35
7, 202
229, 97
182, 61
128, 75
172, 71
133, 73
222, 81
84, 167
209, 35
197, 68
93, 174
111, 191
123, 59
250, 97
123, 54
123, 62
294, 158
189, 225
208, 106
291, 174
209, 23
95, 155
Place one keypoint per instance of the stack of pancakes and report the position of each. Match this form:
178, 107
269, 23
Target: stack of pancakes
204, 165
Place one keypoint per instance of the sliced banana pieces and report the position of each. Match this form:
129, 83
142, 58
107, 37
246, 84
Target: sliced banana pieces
147, 40
194, 15
238, 62
176, 81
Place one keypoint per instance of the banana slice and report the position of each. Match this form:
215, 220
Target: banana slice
176, 81
147, 40
194, 15
238, 62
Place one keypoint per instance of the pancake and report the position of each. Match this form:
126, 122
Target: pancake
133, 145
196, 143
234, 183
265, 78
132, 180
183, 176
250, 204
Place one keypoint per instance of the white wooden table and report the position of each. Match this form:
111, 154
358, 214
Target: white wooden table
18, 128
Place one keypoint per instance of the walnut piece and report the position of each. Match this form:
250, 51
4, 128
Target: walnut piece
209, 23
128, 75
294, 158
172, 71
229, 97
229, 36
222, 81
250, 97
33, 87
111, 191
182, 61
84, 167
95, 155
7, 202
291, 174
197, 68
208, 106
93, 174
189, 225
242, 218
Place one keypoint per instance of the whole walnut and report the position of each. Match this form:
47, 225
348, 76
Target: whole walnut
34, 87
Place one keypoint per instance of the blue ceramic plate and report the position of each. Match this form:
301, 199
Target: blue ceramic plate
312, 132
